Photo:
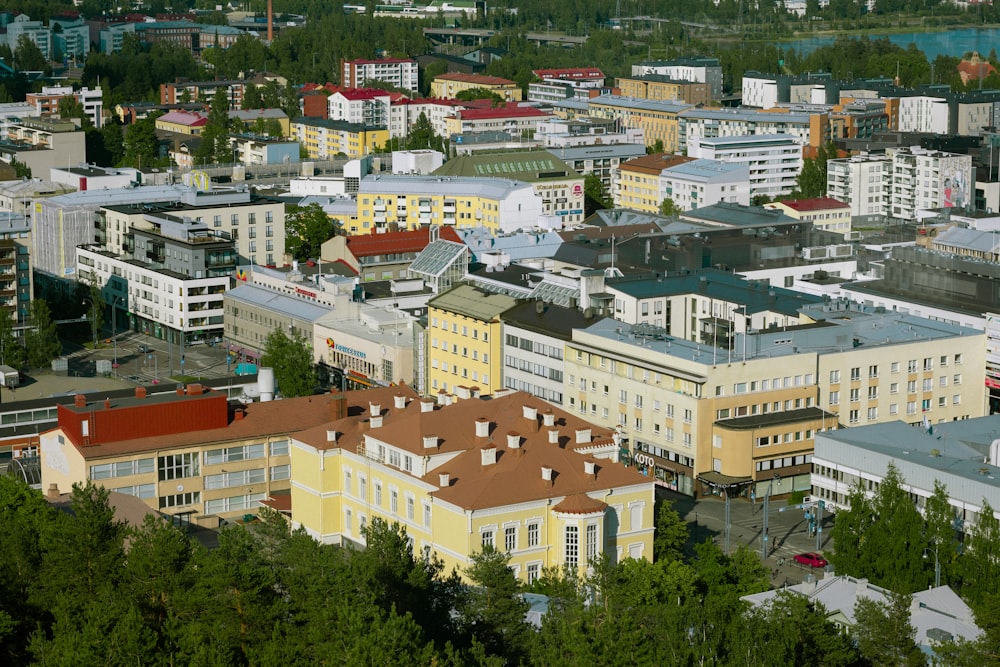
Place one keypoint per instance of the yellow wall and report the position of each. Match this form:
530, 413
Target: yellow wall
472, 349
656, 125
320, 141
446, 88
639, 191
409, 210
179, 128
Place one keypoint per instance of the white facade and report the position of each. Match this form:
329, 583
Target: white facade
421, 162
705, 182
928, 179
923, 114
167, 299
700, 70
760, 92
695, 124
365, 109
397, 73
86, 177
533, 362
861, 182
774, 161
404, 114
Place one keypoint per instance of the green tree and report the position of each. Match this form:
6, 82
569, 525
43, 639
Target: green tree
95, 313
981, 558
940, 534
421, 135
884, 634
69, 107
471, 94
811, 181
493, 611
11, 350
668, 207
215, 147
28, 57
656, 147
42, 340
306, 230
795, 630
21, 170
671, 533
593, 193
291, 360
141, 146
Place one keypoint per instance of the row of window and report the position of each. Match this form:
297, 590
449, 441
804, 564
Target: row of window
180, 466
854, 416
765, 408
912, 366
911, 388
443, 345
475, 332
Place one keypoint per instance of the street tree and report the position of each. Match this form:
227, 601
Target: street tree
849, 528
291, 359
42, 339
492, 611
981, 558
940, 534
594, 196
668, 207
306, 230
96, 311
671, 533
28, 57
140, 146
884, 634
795, 630
11, 350
471, 94
811, 181
215, 147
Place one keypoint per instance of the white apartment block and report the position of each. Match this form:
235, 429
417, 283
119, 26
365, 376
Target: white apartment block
164, 304
705, 182
922, 113
924, 179
760, 92
404, 113
362, 107
773, 160
397, 72
695, 124
861, 182
701, 70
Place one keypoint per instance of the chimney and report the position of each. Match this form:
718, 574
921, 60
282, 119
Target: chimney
549, 418
270, 22
426, 405
239, 414
547, 474
531, 414
140, 392
53, 492
582, 435
513, 440
375, 422
180, 390
444, 480
430, 441
442, 397
399, 401
107, 403
482, 427
375, 409
80, 401
195, 389
476, 392
488, 455
462, 391
554, 436
331, 436
589, 468
338, 406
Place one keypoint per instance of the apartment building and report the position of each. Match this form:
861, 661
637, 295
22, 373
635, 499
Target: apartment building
253, 312
601, 160
42, 143
16, 282
766, 91
47, 101
660, 87
512, 473
387, 202
825, 213
774, 161
450, 84
922, 179
862, 182
517, 121
329, 139
360, 106
399, 73
639, 181
705, 182
657, 119
811, 129
202, 91
701, 416
465, 340
702, 70
555, 85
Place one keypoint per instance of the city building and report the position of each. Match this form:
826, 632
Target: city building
450, 84
399, 73
42, 143
365, 106
387, 202
516, 120
383, 256
660, 87
810, 128
766, 91
16, 282
639, 186
657, 119
47, 101
773, 160
862, 182
182, 122
202, 91
329, 139
922, 179
569, 82
512, 473
253, 312
465, 340
556, 184
21, 25
706, 416
702, 70
601, 160
701, 182
91, 177
962, 455
824, 212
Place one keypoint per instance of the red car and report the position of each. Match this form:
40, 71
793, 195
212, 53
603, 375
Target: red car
811, 559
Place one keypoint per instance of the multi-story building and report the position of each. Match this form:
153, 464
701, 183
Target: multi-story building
465, 340
328, 139
565, 83
403, 113
601, 160
512, 473
811, 129
556, 184
92, 177
862, 182
408, 202
70, 38
922, 179
383, 256
824, 212
701, 182
252, 313
738, 416
773, 160
360, 105
658, 120
766, 91
450, 84
586, 131
22, 25
16, 283
189, 455
514, 119
202, 91
399, 73
251, 150
702, 70
962, 455
43, 143
660, 87
639, 186
47, 101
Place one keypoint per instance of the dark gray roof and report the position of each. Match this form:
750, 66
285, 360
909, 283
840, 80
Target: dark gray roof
553, 320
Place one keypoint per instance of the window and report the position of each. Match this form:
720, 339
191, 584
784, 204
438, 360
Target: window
279, 448
139, 490
347, 481
911, 366
510, 539
943, 381
873, 371
180, 499
427, 516
872, 393
834, 398
958, 359
623, 396
834, 377
894, 367
280, 472
410, 508
393, 501
855, 395
122, 469
911, 387
856, 373
378, 493
532, 534
178, 466
928, 364
532, 572
894, 388
488, 539
348, 520
238, 478
591, 542
572, 553
872, 414
853, 417
687, 416
230, 454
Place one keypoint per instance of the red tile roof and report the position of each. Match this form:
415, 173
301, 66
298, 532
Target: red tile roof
187, 118
396, 242
361, 93
814, 204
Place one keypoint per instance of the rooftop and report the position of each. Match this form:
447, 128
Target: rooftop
480, 79
464, 186
814, 204
655, 163
280, 304
472, 302
528, 166
547, 318
368, 245
633, 103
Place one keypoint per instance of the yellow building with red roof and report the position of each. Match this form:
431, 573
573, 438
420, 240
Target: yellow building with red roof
462, 472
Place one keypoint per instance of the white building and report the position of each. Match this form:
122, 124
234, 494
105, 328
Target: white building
716, 123
91, 177
404, 113
774, 160
705, 182
862, 182
701, 70
928, 179
922, 113
416, 162
397, 72
367, 107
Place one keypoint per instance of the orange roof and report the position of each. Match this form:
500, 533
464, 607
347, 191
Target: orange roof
655, 163
814, 204
415, 240
580, 503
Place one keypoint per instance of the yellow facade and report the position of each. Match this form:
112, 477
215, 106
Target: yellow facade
410, 210
327, 139
657, 124
639, 190
448, 88
348, 482
690, 92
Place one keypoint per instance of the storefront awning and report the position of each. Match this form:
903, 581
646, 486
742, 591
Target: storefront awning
725, 481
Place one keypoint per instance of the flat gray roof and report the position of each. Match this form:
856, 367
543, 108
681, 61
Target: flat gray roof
497, 188
261, 297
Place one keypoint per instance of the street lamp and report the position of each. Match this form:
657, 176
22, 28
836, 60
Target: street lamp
937, 564
114, 325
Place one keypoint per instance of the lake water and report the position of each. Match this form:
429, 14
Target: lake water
950, 43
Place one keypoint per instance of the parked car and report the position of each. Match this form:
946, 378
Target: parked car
145, 348
811, 559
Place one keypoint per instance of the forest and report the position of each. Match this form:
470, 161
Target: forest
80, 588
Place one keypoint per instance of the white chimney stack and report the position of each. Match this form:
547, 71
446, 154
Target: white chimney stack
430, 441
514, 440
529, 412
554, 436
375, 422
588, 467
582, 435
489, 455
331, 436
482, 427
549, 418
375, 409
444, 479
399, 401
547, 473
427, 405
